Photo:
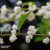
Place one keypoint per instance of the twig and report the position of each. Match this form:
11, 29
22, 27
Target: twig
23, 34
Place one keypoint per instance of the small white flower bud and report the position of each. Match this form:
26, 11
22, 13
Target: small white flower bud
47, 15
46, 40
17, 9
19, 3
31, 36
3, 9
13, 32
14, 27
1, 41
41, 12
29, 33
48, 3
44, 7
32, 29
49, 33
12, 38
32, 8
28, 39
31, 17
17, 16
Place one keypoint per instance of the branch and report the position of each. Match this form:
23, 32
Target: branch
23, 34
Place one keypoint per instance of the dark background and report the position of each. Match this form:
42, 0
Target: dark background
20, 44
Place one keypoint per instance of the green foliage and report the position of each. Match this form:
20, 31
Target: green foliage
44, 26
27, 3
22, 19
38, 39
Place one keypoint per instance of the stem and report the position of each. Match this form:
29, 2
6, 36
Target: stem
24, 34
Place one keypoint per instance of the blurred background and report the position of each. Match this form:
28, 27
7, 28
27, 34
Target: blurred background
11, 3
20, 44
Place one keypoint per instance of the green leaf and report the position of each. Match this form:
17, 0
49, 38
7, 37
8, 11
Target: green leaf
38, 39
22, 19
44, 26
